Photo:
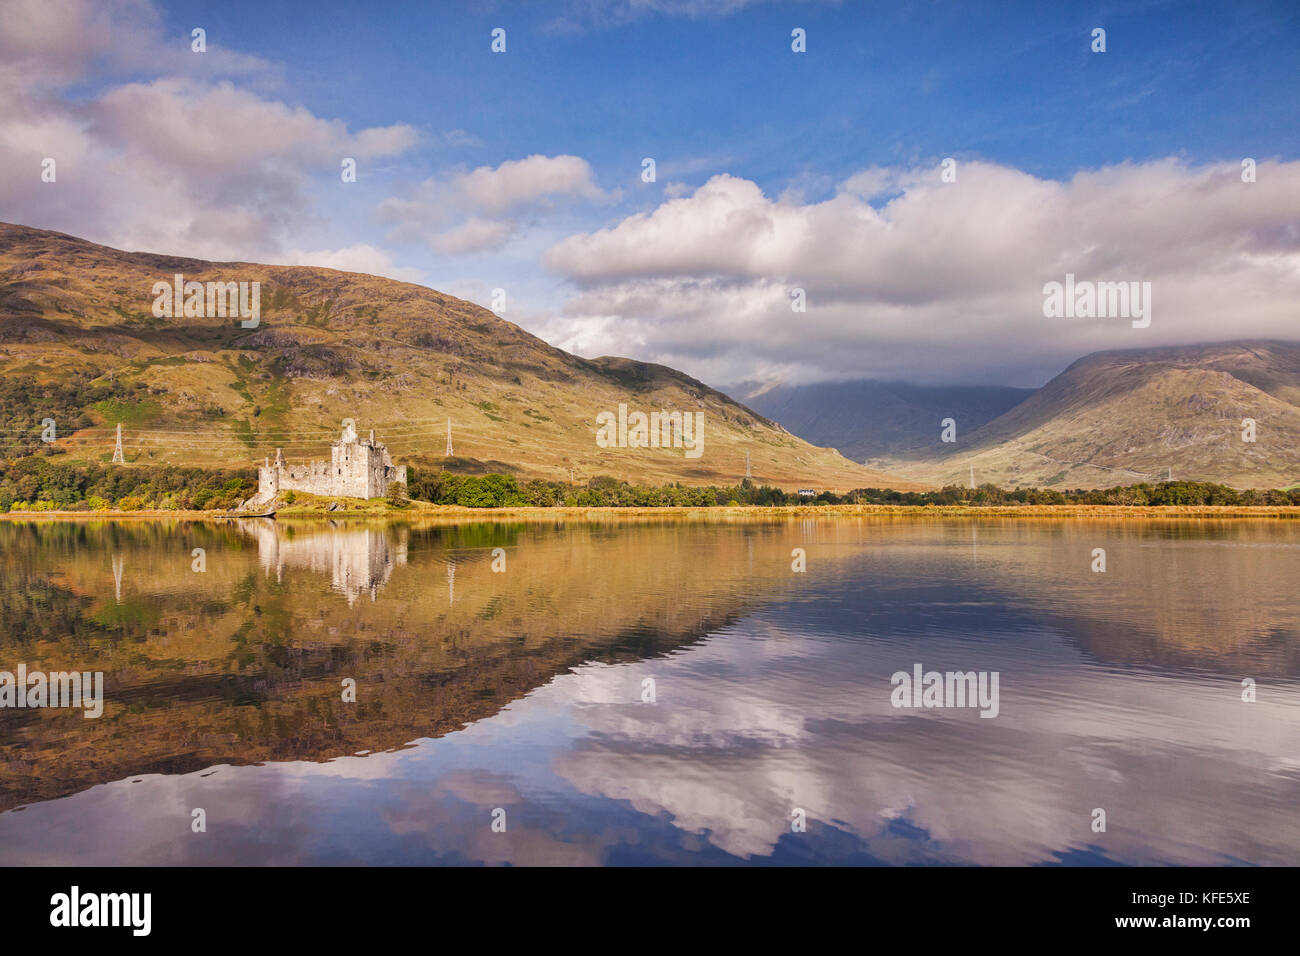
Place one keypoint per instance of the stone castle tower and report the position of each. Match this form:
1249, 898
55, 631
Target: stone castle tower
356, 469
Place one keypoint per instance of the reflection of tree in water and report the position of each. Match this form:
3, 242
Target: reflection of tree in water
34, 610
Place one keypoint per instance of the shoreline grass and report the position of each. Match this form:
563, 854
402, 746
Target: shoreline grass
422, 511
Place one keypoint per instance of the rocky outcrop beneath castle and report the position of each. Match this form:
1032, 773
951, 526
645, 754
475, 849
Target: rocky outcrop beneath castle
356, 469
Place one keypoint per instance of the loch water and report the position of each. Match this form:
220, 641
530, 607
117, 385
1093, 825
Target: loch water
653, 691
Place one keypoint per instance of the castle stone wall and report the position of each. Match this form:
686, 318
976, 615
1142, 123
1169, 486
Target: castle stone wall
356, 469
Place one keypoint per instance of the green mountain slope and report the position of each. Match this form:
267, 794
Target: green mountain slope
79, 344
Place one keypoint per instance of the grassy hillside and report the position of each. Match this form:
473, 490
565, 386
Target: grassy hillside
1114, 418
79, 344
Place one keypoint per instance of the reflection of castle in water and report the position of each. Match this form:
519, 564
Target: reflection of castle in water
357, 560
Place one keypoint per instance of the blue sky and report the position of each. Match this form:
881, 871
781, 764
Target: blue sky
880, 84
708, 88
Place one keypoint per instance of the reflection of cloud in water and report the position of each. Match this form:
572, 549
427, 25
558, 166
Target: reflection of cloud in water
734, 743
1119, 691
586, 771
452, 816
357, 560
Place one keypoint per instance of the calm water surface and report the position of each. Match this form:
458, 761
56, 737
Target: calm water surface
522, 690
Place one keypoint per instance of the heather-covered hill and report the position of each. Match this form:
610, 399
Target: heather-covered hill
79, 343
1113, 418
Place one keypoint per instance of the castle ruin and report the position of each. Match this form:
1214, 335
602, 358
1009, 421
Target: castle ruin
356, 469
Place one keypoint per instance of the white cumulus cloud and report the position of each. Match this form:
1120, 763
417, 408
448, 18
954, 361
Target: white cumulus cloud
182, 161
908, 276
484, 203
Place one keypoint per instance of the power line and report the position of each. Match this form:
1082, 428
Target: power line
330, 434
209, 437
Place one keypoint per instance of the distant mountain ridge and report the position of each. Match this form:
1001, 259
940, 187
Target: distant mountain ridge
866, 419
1119, 417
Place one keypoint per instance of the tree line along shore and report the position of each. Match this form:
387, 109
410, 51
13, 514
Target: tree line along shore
34, 484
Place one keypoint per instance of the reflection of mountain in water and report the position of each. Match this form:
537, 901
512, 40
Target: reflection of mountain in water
243, 663
357, 560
